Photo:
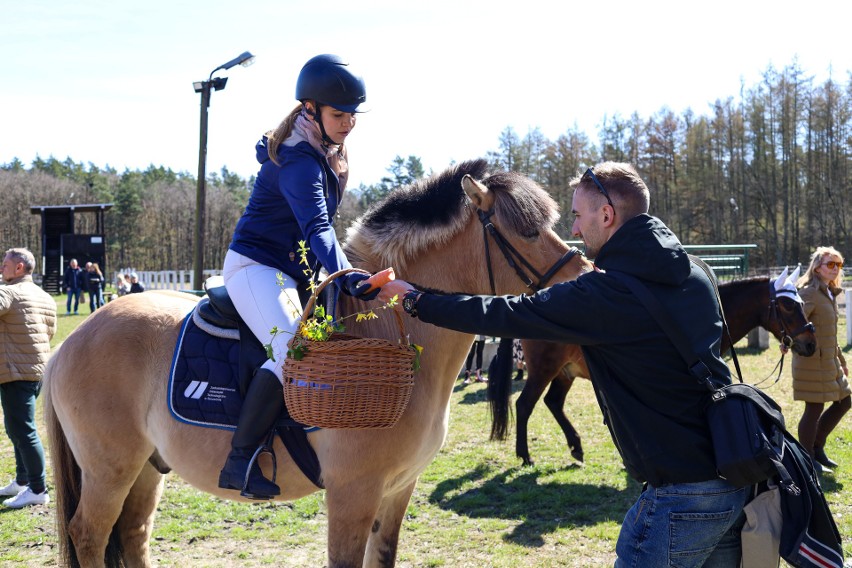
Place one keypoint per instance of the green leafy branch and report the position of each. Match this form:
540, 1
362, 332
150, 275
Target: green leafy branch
322, 326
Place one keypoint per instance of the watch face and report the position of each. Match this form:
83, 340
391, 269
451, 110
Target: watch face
408, 303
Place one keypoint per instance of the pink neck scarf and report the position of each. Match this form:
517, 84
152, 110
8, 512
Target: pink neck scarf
306, 129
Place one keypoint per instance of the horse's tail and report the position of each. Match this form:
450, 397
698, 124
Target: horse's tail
500, 389
67, 484
66, 477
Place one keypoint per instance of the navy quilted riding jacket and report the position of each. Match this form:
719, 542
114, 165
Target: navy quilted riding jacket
289, 203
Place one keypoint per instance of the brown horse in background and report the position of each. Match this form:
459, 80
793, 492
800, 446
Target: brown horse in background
747, 303
109, 423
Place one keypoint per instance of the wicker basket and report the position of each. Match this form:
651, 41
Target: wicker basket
349, 381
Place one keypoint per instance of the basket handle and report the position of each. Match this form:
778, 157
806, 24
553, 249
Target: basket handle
309, 307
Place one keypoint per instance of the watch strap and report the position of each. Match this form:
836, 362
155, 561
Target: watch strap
409, 302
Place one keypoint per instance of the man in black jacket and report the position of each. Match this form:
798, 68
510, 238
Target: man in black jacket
653, 406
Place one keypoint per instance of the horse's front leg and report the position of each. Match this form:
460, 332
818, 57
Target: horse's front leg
384, 536
352, 507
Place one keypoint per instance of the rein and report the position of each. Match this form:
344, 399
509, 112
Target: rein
786, 337
513, 257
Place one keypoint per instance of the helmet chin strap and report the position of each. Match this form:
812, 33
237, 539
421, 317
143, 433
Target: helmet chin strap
318, 119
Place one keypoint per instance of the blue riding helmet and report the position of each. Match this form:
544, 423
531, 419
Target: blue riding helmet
327, 80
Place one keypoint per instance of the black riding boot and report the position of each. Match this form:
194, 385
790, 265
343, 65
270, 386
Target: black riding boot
261, 408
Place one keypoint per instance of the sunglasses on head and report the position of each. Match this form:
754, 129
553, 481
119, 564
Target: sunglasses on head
832, 264
590, 175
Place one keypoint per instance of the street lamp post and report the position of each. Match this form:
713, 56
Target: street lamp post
205, 88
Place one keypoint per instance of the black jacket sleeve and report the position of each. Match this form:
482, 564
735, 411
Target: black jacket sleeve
571, 312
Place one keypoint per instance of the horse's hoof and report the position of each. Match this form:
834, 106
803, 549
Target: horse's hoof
577, 455
527, 462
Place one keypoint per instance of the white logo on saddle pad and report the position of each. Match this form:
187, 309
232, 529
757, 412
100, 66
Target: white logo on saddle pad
196, 389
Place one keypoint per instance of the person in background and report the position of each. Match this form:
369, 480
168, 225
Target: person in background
823, 377
122, 286
95, 286
475, 350
136, 287
27, 324
73, 281
518, 356
652, 404
304, 167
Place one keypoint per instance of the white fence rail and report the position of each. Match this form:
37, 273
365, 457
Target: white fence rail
848, 317
168, 279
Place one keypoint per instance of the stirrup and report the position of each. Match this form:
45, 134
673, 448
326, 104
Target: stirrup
265, 447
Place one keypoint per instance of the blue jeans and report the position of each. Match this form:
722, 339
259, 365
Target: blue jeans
76, 295
18, 400
96, 300
684, 525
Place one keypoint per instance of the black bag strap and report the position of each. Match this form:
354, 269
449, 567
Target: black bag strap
712, 277
697, 367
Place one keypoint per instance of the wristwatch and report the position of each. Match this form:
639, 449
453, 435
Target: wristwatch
409, 302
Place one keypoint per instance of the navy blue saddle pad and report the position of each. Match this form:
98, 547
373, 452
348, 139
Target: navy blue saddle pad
203, 388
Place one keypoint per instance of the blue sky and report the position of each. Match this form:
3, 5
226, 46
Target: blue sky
110, 82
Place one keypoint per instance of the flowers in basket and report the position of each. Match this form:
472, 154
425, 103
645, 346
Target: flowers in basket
321, 326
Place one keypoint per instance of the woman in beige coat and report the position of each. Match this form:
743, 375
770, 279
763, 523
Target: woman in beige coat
821, 378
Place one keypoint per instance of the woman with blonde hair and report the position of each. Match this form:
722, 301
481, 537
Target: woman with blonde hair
822, 378
95, 282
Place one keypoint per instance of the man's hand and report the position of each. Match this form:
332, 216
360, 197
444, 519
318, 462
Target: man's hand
395, 288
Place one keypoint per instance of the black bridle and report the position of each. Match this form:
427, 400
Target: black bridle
786, 336
515, 259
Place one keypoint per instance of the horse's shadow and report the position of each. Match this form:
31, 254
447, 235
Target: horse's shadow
541, 508
471, 396
481, 395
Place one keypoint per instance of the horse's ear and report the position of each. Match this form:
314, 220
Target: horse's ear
795, 276
779, 282
478, 193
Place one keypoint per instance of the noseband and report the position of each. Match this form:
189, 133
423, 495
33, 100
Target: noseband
515, 259
786, 337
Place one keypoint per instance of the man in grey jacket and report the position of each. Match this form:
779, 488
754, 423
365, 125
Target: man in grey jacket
27, 324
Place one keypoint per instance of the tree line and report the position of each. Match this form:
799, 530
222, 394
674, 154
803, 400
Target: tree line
770, 166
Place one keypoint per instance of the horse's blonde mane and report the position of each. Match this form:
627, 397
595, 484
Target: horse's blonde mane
430, 211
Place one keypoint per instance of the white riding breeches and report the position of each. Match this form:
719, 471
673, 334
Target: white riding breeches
263, 304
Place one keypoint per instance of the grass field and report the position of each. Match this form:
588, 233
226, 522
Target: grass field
474, 506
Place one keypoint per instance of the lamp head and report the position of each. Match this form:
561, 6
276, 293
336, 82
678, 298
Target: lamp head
245, 59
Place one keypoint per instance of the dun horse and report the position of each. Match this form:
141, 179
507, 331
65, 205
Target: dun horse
106, 421
747, 304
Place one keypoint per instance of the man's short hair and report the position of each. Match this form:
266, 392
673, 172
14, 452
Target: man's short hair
23, 256
624, 185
